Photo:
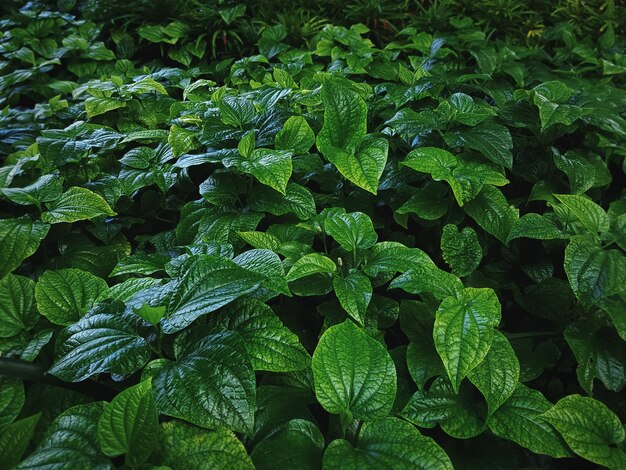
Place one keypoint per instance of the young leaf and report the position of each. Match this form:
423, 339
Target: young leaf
492, 212
354, 292
464, 331
590, 429
312, 263
45, 189
211, 384
387, 443
519, 420
271, 167
492, 140
352, 231
587, 212
296, 135
17, 306
129, 423
353, 373
76, 204
64, 296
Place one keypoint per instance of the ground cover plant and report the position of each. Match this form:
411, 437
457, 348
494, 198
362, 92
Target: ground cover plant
266, 235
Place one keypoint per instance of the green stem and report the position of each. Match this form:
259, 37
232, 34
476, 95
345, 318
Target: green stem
530, 334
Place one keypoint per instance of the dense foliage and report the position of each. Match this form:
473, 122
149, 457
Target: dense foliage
358, 235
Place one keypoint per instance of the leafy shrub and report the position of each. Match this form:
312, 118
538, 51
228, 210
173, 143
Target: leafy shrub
343, 250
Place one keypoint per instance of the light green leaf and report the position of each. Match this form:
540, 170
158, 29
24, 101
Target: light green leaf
141, 263
590, 429
492, 212
14, 440
45, 189
353, 373
101, 341
267, 264
312, 263
427, 277
206, 283
70, 442
464, 330
182, 140
236, 111
19, 239
247, 144
438, 162
360, 158
519, 420
497, 375
17, 306
352, 231
296, 135
587, 212
76, 204
96, 106
387, 443
271, 167
594, 273
187, 447
262, 240
296, 444
129, 424
211, 384
391, 257
551, 97
65, 295
354, 292
461, 250
270, 344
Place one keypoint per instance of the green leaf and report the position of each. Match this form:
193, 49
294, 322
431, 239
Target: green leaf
590, 429
271, 167
17, 306
550, 97
247, 144
262, 240
71, 441
101, 341
584, 171
430, 202
76, 204
352, 231
206, 283
498, 374
64, 296
19, 239
519, 420
14, 440
267, 264
182, 140
464, 331
461, 250
438, 162
492, 212
270, 345
354, 292
587, 212
457, 414
129, 424
353, 373
423, 361
594, 273
296, 135
96, 106
45, 189
599, 353
211, 384
310, 264
427, 277
296, 444
188, 447
535, 226
387, 443
360, 158
493, 141
236, 111
11, 399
